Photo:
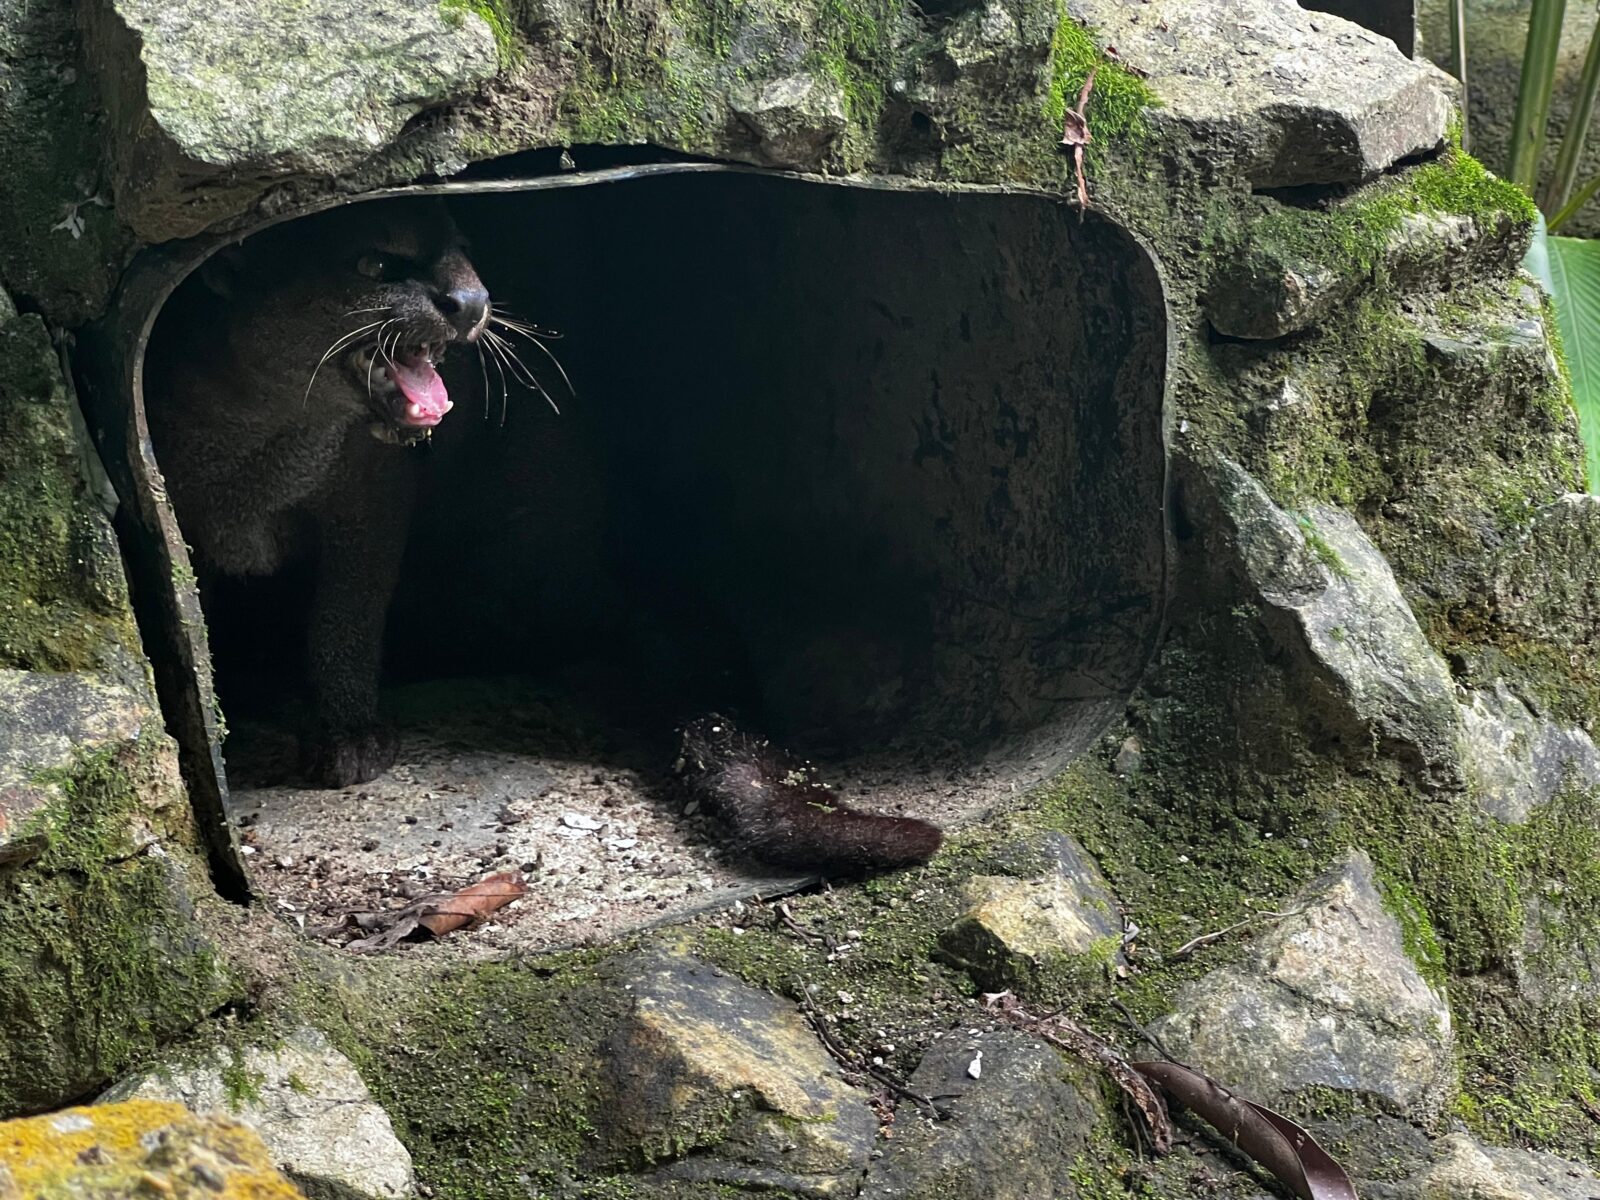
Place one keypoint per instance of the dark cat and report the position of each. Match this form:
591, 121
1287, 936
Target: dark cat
301, 367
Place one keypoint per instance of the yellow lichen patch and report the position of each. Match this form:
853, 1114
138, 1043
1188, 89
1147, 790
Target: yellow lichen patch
137, 1150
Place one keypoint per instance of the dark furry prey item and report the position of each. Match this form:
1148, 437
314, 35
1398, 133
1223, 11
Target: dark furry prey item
775, 811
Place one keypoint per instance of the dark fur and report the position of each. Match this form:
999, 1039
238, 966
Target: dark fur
775, 812
261, 471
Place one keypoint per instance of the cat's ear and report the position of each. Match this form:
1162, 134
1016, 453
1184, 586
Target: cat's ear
220, 273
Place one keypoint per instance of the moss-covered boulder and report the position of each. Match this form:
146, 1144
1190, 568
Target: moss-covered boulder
206, 106
316, 1117
1329, 1001
137, 1149
64, 246
102, 954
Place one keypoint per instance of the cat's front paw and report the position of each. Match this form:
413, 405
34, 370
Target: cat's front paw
336, 759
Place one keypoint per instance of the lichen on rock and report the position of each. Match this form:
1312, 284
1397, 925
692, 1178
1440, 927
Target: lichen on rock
136, 1149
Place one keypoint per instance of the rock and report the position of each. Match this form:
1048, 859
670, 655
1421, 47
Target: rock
320, 1124
1341, 613
51, 718
1270, 290
1017, 1132
1009, 929
63, 600
105, 954
797, 119
1327, 999
133, 1151
100, 871
206, 101
1305, 98
1262, 294
1428, 248
725, 1084
1519, 761
63, 246
1465, 1170
1129, 755
1544, 584
8, 306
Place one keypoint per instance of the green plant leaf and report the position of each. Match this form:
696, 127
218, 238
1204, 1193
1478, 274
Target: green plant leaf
1575, 290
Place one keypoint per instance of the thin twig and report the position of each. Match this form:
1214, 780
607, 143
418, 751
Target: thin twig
1205, 939
852, 1060
1073, 1038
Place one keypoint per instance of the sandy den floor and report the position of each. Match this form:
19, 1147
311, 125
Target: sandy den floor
498, 776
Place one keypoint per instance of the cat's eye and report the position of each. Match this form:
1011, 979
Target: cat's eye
390, 268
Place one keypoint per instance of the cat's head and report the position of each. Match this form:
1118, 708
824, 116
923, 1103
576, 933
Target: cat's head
353, 310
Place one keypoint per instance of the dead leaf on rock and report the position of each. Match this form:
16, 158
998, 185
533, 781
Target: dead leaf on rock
1274, 1141
438, 914
1075, 133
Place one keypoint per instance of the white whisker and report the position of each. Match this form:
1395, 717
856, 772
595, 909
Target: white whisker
339, 342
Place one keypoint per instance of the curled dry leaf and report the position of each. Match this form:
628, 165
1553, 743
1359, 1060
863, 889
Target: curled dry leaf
1075, 133
439, 914
1274, 1141
473, 903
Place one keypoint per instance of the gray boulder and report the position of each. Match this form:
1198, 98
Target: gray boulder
1520, 761
1019, 1120
715, 1082
1333, 603
1328, 999
320, 1124
205, 99
1304, 97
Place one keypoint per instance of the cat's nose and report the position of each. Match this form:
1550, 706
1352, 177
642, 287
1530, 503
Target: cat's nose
465, 308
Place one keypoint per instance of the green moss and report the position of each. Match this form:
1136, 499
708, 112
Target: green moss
1320, 547
489, 1077
1417, 933
102, 960
62, 600
241, 1085
1115, 110
494, 14
853, 47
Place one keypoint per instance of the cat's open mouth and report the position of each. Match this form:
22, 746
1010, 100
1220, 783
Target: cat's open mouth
404, 383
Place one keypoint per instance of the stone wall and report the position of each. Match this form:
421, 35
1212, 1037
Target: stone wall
1364, 747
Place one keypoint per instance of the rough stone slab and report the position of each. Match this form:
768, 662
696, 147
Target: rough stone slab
1327, 999
1545, 584
1519, 761
1271, 291
1466, 1170
141, 1148
705, 1061
1303, 97
796, 119
1017, 1130
1347, 620
1264, 295
320, 1124
205, 95
49, 717
1010, 927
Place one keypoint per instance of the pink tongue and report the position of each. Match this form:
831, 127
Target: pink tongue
426, 398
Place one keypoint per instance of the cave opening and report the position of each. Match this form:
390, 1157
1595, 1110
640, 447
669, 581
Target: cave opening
880, 470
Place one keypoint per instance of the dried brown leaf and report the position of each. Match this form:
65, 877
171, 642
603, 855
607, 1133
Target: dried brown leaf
1274, 1141
473, 903
437, 914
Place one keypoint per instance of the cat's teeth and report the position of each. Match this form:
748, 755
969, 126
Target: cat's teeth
413, 411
